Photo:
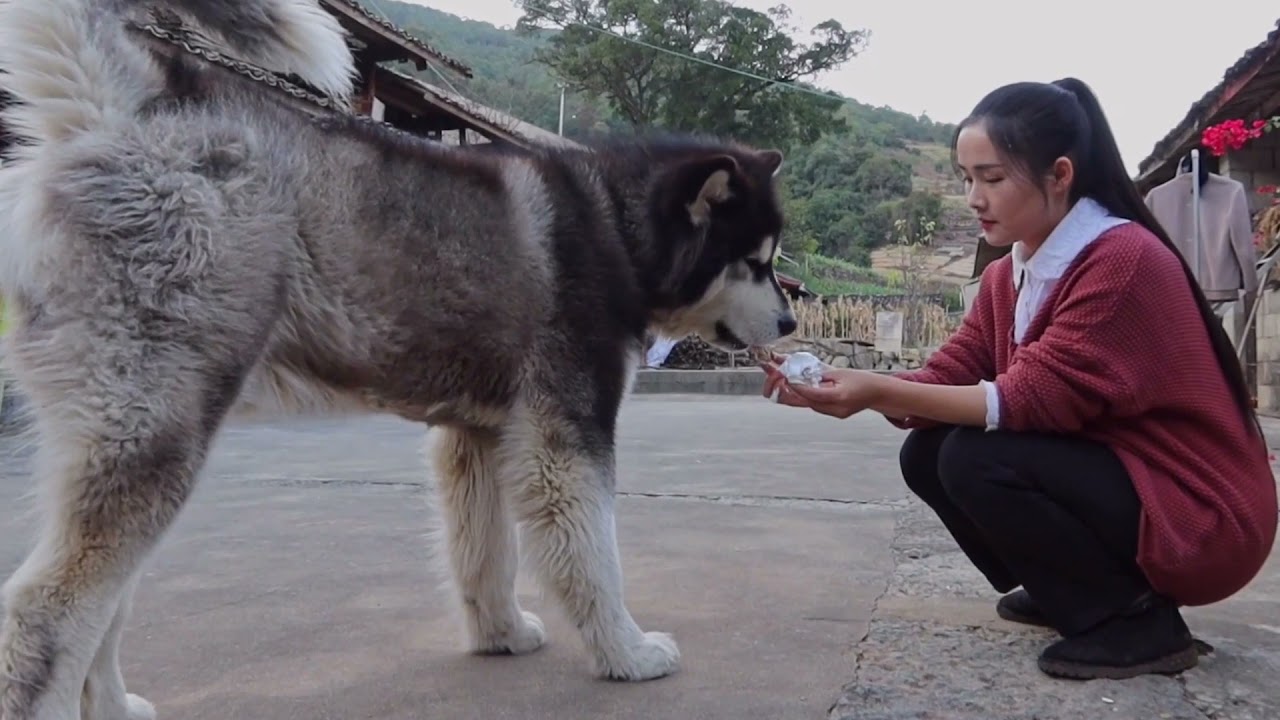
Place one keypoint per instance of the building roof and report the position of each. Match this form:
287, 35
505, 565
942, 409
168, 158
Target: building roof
488, 120
1251, 85
409, 93
794, 286
396, 43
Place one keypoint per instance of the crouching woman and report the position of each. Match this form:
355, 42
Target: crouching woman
1087, 434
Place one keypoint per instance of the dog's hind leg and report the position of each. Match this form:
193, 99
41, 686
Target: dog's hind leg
481, 542
104, 691
112, 487
561, 476
155, 296
124, 429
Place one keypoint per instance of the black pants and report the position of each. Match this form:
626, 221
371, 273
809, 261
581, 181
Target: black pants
1054, 514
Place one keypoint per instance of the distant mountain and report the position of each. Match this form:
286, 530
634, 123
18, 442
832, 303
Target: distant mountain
507, 78
841, 192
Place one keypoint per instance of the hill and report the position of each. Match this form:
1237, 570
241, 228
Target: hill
843, 192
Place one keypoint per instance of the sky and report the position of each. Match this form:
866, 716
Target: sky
1146, 63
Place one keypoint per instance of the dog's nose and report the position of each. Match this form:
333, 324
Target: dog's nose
786, 325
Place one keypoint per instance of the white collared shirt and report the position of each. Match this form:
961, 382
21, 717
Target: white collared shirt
1036, 277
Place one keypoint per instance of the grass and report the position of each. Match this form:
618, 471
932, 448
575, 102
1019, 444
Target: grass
833, 276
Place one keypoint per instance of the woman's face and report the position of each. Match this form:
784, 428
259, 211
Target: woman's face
1008, 205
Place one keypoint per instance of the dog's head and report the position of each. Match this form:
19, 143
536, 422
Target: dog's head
719, 220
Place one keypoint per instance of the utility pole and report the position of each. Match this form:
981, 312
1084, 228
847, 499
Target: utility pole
562, 89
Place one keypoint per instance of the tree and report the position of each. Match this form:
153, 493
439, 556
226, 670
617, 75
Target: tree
920, 212
607, 48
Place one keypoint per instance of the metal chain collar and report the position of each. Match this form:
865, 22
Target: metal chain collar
169, 29
193, 43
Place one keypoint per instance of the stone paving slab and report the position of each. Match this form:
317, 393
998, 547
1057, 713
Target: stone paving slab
297, 582
780, 547
936, 649
325, 608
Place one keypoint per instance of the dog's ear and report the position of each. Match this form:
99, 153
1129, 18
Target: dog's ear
772, 160
704, 183
692, 189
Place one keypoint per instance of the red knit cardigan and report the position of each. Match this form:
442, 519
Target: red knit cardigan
1118, 353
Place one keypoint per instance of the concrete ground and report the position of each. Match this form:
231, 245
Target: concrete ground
780, 548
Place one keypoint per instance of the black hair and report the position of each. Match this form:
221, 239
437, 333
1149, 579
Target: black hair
1033, 124
1202, 175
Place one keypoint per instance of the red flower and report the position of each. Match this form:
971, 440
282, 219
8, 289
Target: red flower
1231, 135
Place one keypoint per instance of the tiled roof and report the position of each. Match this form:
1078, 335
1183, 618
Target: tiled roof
1254, 77
487, 115
404, 37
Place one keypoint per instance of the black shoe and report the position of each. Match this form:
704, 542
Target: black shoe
1018, 607
1154, 640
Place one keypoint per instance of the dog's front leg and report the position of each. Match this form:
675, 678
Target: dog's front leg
480, 541
562, 482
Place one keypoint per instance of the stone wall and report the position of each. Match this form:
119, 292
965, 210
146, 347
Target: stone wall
1256, 165
843, 354
1267, 332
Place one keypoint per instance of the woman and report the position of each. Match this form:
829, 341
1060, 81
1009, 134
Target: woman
1087, 434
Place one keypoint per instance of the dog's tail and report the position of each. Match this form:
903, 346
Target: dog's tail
70, 66
288, 36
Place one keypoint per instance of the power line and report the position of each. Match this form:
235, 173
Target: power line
693, 58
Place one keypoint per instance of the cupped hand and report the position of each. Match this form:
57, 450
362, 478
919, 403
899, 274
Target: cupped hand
841, 393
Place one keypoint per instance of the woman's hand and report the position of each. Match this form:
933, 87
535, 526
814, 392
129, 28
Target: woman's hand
845, 392
842, 392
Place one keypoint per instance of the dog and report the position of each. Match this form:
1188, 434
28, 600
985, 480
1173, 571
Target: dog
181, 247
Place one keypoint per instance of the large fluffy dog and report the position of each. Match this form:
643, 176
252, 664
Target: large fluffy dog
179, 245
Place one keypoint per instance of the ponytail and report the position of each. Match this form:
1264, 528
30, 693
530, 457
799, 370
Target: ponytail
1101, 175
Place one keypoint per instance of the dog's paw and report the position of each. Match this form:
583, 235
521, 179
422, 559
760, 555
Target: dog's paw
655, 656
137, 708
526, 637
134, 708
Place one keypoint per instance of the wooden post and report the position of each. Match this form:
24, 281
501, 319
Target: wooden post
1249, 358
362, 103
986, 255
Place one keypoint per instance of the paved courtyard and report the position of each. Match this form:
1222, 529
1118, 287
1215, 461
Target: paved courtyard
779, 547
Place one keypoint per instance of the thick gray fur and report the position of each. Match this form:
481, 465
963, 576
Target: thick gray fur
180, 246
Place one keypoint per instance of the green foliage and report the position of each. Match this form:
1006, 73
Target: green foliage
651, 88
506, 76
842, 198
848, 175
831, 276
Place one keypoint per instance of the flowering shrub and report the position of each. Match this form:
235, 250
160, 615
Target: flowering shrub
1235, 134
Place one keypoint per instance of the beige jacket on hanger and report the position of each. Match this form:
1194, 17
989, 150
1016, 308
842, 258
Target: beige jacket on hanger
1227, 252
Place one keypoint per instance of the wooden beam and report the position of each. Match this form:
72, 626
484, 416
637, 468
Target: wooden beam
356, 21
1268, 106
433, 124
434, 114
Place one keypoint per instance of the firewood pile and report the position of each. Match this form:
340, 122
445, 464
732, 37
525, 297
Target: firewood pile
692, 353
